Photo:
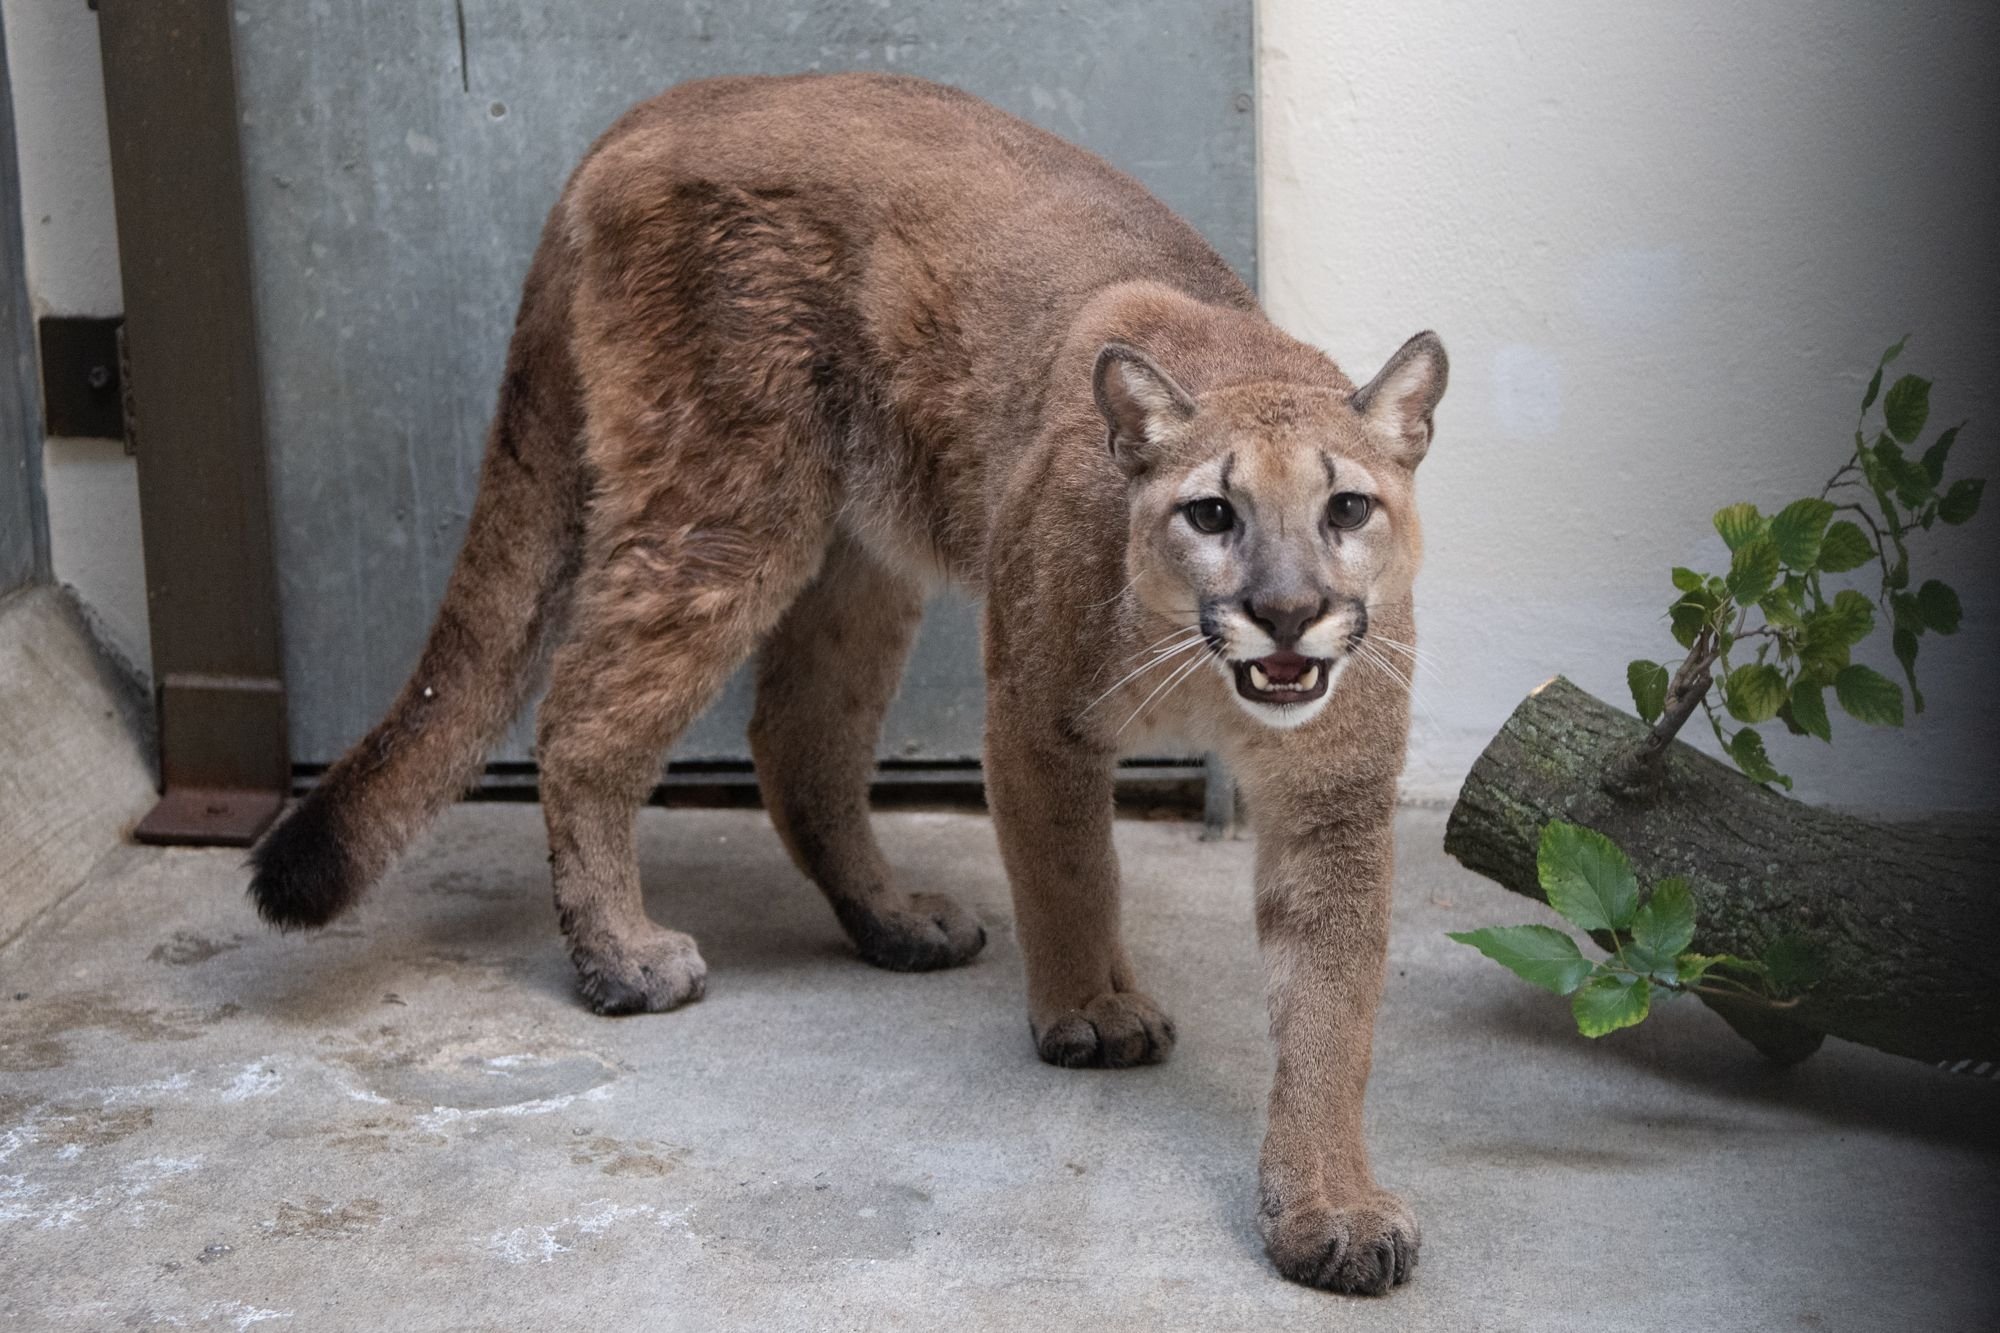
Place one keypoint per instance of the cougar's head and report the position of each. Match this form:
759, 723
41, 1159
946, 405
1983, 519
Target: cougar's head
1269, 518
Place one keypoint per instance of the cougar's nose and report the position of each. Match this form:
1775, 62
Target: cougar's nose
1285, 622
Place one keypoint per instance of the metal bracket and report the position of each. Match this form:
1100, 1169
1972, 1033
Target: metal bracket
83, 376
224, 767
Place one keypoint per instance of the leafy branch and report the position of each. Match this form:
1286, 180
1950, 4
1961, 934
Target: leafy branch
1790, 640
1589, 881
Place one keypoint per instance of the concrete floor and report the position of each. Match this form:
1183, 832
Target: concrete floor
409, 1122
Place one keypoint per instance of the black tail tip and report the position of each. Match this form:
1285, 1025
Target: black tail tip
304, 876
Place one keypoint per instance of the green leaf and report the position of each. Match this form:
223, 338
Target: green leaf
1823, 651
1889, 471
1685, 579
1906, 407
1809, 710
1540, 954
1753, 569
1750, 965
1739, 523
1935, 456
1869, 696
1904, 641
1586, 877
1905, 613
1961, 502
1791, 964
1913, 483
1844, 547
1746, 747
1665, 925
1939, 606
1852, 616
1754, 693
1687, 617
1797, 529
1648, 681
1607, 1003
1779, 608
1692, 967
1894, 351
1878, 464
1874, 388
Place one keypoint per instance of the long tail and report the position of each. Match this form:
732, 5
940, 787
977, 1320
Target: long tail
484, 648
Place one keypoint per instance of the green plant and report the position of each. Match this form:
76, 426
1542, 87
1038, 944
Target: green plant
1589, 881
1774, 596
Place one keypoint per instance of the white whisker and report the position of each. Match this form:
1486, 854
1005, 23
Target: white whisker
1180, 673
1424, 661
1096, 606
1368, 653
1409, 648
1181, 678
1171, 636
1159, 657
1378, 637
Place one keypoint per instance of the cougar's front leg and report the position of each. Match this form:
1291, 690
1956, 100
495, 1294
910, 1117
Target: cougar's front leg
1052, 804
1323, 889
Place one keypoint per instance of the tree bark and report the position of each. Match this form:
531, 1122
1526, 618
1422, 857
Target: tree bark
1901, 918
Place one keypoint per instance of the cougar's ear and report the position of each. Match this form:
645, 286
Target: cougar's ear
1140, 403
1404, 393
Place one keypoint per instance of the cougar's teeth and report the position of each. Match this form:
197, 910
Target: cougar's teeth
1258, 678
1310, 678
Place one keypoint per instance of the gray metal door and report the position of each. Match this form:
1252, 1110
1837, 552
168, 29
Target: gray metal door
23, 542
399, 158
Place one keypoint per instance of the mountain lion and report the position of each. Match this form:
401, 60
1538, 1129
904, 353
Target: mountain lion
792, 351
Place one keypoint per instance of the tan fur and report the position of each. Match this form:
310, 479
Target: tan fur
792, 350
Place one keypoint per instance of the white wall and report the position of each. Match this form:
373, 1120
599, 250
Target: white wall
1664, 244
71, 242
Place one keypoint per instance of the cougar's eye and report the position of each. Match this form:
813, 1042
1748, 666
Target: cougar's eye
1349, 509
1210, 515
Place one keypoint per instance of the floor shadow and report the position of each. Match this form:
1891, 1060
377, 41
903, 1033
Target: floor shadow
1843, 1084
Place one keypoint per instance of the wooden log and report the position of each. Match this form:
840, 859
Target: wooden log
1901, 918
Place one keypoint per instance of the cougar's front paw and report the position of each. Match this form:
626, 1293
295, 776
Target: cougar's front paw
1364, 1248
1114, 1031
641, 973
933, 931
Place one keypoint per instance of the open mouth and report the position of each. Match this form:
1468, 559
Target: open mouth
1283, 678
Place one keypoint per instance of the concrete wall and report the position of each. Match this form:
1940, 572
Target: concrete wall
1663, 243
71, 244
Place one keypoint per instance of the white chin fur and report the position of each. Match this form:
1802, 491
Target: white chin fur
1285, 717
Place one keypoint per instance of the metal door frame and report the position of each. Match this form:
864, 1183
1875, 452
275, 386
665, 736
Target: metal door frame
196, 419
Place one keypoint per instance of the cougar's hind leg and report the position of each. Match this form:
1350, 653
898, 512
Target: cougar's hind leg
659, 624
712, 429
824, 680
